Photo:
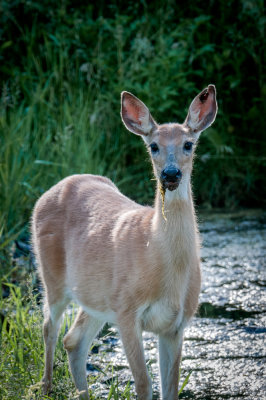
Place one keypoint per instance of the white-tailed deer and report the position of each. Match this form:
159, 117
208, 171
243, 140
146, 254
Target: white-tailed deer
122, 262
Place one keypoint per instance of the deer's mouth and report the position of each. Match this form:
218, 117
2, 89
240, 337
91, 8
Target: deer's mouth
170, 177
170, 185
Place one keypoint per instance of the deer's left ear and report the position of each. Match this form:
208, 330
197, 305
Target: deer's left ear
202, 110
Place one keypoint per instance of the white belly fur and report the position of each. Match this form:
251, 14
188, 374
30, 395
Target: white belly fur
159, 317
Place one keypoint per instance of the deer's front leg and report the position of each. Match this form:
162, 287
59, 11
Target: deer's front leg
170, 348
131, 336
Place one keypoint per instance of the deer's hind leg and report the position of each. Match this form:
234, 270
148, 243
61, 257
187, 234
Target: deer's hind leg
77, 342
52, 317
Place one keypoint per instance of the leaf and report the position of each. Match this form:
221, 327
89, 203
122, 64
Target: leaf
6, 44
185, 382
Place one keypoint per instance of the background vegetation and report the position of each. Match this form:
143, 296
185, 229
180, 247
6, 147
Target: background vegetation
63, 65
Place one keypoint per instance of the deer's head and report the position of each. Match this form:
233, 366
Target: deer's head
171, 145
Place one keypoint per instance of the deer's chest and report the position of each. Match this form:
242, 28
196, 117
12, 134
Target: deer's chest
166, 314
162, 317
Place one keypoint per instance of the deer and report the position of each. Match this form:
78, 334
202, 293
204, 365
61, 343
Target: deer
124, 263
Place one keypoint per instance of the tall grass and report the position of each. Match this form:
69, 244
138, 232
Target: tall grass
42, 143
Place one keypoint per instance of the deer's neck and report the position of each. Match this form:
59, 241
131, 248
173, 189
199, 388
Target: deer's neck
176, 227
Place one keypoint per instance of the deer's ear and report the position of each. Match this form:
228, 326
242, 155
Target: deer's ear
135, 115
202, 110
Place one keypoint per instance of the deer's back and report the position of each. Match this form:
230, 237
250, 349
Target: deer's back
84, 228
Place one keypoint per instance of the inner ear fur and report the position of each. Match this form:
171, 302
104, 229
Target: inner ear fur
136, 115
203, 110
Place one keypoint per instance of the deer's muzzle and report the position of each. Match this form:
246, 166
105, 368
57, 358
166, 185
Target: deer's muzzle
170, 178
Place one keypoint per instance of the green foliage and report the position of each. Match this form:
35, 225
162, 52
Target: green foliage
41, 144
63, 66
20, 363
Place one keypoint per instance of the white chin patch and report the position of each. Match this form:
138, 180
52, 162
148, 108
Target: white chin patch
180, 193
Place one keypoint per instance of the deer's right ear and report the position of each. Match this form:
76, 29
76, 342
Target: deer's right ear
135, 115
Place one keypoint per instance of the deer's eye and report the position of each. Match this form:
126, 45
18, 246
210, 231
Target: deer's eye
188, 146
154, 148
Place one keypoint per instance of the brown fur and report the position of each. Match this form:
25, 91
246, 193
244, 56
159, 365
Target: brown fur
122, 262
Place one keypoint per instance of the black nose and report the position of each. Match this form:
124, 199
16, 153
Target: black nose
171, 174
